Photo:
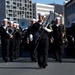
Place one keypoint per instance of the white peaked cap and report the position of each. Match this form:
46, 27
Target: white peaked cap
5, 19
33, 19
11, 22
17, 24
40, 14
57, 18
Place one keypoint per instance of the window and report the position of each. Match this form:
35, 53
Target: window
8, 18
18, 4
30, 13
30, 16
27, 16
27, 12
10, 10
23, 8
18, 12
22, 12
14, 14
8, 6
14, 3
25, 5
10, 14
14, 7
14, 18
25, 1
30, 9
7, 2
30, 1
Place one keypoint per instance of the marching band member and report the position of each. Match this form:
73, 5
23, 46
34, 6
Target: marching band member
70, 49
33, 53
14, 25
17, 42
28, 41
43, 43
4, 40
57, 36
33, 21
11, 41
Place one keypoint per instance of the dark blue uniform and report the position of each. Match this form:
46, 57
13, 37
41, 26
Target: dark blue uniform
17, 38
57, 35
4, 43
42, 45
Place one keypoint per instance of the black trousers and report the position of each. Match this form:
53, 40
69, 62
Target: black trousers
17, 48
43, 47
57, 50
5, 49
33, 52
11, 48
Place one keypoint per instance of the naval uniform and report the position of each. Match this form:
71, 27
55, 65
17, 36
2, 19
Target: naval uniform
42, 46
11, 44
57, 35
17, 48
33, 52
4, 43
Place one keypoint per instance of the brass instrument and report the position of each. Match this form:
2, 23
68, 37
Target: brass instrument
44, 26
24, 23
10, 31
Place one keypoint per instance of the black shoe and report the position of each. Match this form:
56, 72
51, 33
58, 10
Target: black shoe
60, 61
44, 66
40, 66
5, 60
11, 60
56, 60
34, 60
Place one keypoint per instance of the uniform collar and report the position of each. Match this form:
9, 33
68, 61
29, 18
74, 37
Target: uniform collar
40, 22
4, 27
57, 25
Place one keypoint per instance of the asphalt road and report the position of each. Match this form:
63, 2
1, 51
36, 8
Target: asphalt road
23, 66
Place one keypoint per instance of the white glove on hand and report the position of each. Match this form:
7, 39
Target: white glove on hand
31, 37
48, 30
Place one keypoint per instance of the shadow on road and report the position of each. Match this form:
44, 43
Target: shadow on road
19, 68
28, 60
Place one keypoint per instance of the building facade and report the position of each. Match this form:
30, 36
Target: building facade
45, 9
69, 12
41, 8
15, 10
58, 11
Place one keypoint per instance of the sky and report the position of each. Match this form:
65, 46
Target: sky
49, 1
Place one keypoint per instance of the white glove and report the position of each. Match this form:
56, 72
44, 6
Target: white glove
31, 37
48, 30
